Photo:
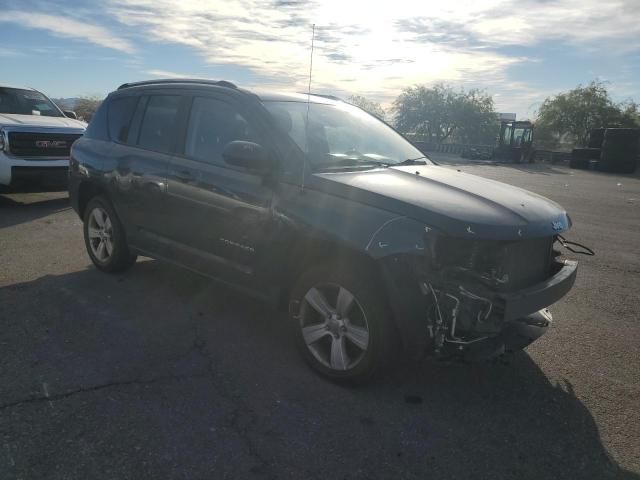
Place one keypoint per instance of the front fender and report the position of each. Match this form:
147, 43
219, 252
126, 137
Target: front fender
315, 225
401, 248
401, 235
363, 228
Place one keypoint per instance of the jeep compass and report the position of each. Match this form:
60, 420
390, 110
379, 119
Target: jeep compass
311, 203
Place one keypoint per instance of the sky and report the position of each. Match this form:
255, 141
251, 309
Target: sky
518, 51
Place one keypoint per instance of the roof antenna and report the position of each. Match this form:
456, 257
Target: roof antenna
306, 123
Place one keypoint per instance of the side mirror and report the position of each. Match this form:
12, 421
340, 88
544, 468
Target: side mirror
247, 155
70, 114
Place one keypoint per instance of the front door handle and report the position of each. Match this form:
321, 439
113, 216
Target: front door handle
159, 187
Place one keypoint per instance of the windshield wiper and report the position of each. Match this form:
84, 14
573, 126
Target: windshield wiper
349, 165
358, 161
412, 161
362, 162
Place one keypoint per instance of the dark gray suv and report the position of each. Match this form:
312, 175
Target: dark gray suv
313, 204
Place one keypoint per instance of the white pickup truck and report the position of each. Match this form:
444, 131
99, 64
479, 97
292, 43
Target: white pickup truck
35, 141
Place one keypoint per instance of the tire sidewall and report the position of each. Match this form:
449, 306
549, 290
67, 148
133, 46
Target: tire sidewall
368, 294
120, 253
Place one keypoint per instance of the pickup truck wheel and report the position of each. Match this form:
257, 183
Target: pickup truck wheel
341, 322
104, 237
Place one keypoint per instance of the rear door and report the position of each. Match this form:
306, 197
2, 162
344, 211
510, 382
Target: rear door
220, 213
143, 153
119, 116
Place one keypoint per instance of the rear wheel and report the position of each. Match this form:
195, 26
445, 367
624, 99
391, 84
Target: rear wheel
341, 322
105, 238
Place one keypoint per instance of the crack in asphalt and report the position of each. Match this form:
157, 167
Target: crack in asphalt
123, 383
210, 373
264, 466
96, 388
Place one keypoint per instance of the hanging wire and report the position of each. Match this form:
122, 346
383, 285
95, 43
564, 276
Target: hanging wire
568, 245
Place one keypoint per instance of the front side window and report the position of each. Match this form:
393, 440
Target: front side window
159, 125
120, 114
26, 102
506, 135
212, 125
521, 136
340, 135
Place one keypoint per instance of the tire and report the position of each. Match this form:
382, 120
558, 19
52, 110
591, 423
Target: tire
331, 308
114, 255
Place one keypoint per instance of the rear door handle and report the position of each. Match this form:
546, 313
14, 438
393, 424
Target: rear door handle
184, 175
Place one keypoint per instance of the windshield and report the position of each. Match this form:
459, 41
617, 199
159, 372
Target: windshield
26, 102
342, 135
521, 135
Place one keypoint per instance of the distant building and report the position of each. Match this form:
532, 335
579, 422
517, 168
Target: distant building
507, 117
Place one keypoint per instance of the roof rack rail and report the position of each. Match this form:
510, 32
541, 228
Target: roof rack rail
220, 83
330, 97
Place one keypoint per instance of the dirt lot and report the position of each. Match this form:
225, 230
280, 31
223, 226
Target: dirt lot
159, 373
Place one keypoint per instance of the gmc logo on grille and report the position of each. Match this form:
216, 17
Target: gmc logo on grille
51, 144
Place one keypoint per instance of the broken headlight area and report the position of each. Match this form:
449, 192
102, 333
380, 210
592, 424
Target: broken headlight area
468, 293
496, 265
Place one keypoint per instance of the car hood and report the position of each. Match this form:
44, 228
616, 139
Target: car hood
456, 203
10, 120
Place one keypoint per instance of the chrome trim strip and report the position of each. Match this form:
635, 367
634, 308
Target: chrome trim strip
42, 129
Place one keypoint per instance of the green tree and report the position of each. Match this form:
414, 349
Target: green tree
477, 119
440, 112
630, 113
576, 112
374, 108
85, 107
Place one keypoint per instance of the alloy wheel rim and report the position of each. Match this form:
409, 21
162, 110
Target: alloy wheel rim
334, 326
100, 233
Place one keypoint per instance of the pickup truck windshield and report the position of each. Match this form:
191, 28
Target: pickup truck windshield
26, 102
341, 135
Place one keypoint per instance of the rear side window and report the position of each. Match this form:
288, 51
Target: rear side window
159, 125
120, 114
213, 124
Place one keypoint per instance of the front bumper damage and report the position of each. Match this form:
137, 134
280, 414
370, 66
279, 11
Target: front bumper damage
457, 315
520, 303
516, 335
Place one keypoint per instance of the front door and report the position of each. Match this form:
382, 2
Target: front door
220, 213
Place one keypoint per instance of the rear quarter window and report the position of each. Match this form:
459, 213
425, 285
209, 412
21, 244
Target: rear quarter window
120, 115
97, 128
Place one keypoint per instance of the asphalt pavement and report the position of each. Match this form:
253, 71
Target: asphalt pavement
159, 373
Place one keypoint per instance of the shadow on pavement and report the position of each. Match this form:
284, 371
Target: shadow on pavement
159, 373
17, 209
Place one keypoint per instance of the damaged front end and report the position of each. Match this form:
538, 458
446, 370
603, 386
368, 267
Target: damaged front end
474, 297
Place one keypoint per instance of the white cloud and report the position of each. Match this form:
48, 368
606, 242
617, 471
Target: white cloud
70, 28
378, 48
274, 41
610, 27
7, 52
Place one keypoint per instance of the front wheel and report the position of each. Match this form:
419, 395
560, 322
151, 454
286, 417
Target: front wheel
341, 322
105, 238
